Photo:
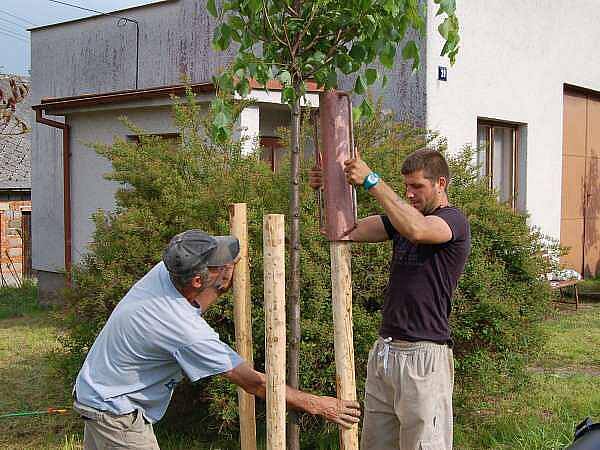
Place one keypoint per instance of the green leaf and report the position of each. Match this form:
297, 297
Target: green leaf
222, 37
254, 6
360, 87
446, 6
317, 56
211, 7
285, 77
384, 81
366, 109
411, 51
392, 7
221, 120
356, 114
371, 76
243, 87
345, 63
331, 79
445, 27
237, 23
358, 52
288, 95
387, 55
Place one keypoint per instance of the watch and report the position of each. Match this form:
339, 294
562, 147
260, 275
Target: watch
371, 180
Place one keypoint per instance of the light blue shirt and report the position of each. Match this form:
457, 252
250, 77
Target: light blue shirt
152, 338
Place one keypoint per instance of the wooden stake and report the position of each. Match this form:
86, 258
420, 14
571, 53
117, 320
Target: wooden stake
274, 285
242, 317
341, 290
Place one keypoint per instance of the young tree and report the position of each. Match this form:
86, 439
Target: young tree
15, 92
292, 41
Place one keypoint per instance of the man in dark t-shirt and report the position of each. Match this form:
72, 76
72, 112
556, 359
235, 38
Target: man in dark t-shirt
410, 374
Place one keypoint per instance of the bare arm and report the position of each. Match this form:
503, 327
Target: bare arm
409, 221
345, 413
369, 229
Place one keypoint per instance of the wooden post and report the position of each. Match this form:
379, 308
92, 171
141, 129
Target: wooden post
242, 318
274, 285
341, 290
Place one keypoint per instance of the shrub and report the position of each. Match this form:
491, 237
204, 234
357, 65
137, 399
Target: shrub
166, 189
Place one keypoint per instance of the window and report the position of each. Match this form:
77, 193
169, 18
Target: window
271, 151
171, 138
501, 157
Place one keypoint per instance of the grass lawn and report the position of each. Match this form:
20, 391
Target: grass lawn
565, 388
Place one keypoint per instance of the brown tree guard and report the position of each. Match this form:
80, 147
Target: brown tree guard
338, 218
293, 305
242, 317
274, 286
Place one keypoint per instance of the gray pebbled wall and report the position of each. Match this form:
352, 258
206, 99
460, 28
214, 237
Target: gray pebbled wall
96, 56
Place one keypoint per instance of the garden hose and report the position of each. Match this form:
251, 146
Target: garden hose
35, 413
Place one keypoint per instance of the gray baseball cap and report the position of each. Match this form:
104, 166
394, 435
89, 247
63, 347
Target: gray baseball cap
193, 250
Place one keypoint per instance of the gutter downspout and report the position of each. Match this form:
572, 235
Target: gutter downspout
66, 129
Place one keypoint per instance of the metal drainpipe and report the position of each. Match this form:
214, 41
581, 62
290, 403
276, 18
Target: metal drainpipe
66, 184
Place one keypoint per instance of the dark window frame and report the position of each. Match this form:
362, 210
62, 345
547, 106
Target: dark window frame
519, 130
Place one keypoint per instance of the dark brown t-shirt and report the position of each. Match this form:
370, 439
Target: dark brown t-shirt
422, 280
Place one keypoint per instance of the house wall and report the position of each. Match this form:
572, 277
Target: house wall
90, 191
94, 56
514, 59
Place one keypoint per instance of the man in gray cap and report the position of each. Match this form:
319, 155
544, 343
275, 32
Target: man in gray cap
156, 334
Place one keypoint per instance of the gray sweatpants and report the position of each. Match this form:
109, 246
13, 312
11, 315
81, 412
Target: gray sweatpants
408, 397
104, 430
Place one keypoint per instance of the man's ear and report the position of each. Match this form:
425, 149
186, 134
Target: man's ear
196, 282
443, 182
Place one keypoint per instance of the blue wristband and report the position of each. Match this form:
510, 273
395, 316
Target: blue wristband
371, 180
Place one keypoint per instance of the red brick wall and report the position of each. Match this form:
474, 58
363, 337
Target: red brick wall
10, 239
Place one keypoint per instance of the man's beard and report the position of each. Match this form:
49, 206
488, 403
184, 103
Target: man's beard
429, 207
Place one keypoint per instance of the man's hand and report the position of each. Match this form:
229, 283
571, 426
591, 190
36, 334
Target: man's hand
343, 412
225, 279
315, 178
356, 171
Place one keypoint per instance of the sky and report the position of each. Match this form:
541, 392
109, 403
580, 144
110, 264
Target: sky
18, 15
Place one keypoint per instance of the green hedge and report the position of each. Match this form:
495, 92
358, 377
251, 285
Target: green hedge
166, 189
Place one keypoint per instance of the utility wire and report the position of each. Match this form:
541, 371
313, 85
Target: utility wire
81, 7
14, 37
14, 23
122, 21
18, 18
16, 33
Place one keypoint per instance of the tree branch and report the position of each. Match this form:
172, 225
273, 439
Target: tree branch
305, 29
268, 21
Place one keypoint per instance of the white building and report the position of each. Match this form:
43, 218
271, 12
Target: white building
525, 81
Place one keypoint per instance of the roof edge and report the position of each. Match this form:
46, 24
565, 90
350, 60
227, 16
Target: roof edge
49, 104
96, 16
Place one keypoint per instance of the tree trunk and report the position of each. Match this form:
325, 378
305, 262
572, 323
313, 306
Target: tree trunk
293, 306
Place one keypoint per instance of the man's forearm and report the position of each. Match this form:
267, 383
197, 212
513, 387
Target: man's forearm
408, 221
295, 399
